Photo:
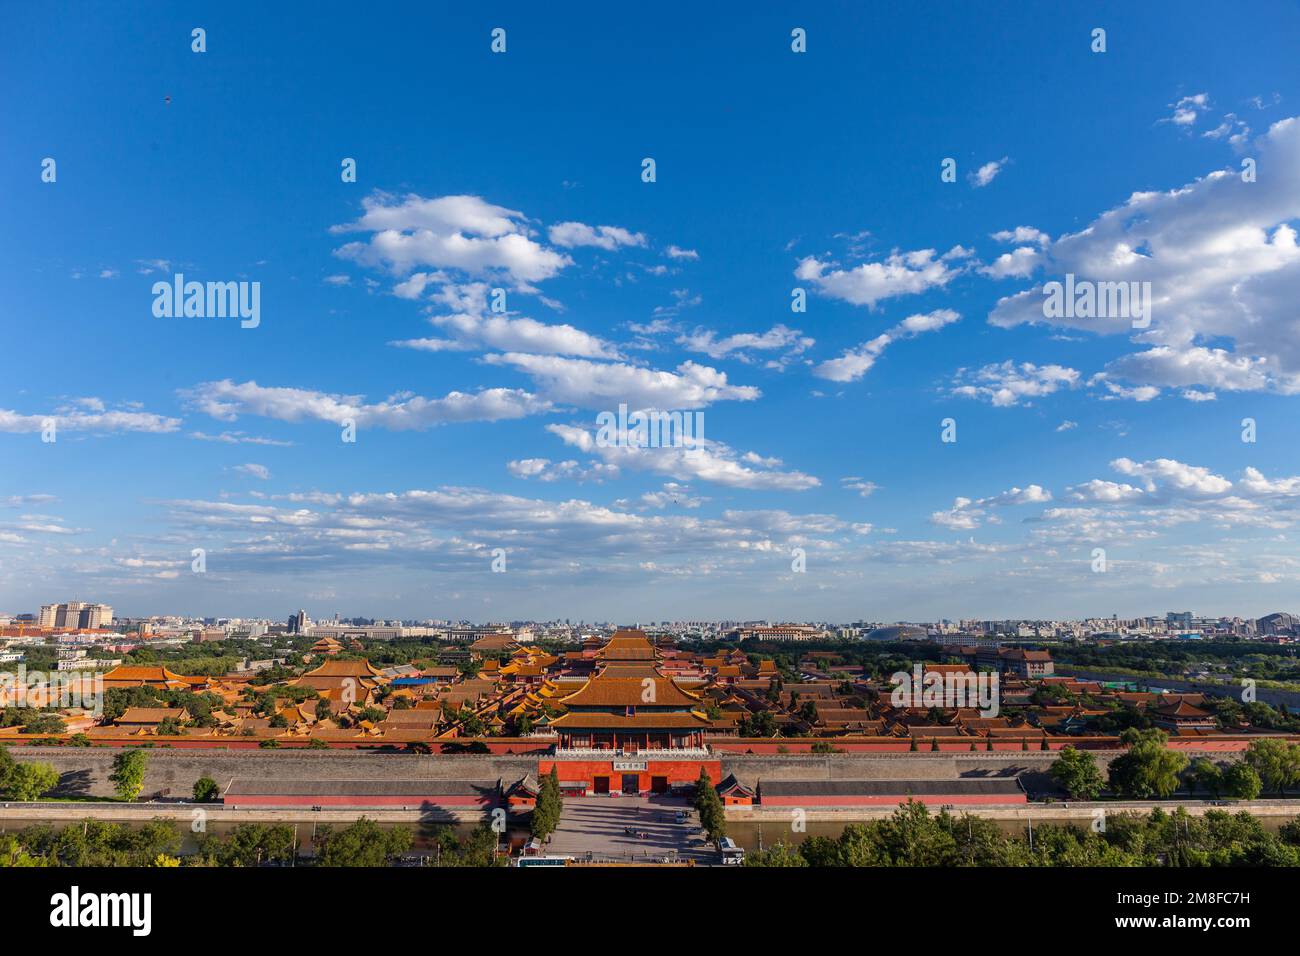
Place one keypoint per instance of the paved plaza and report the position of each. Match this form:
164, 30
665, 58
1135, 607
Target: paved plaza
598, 825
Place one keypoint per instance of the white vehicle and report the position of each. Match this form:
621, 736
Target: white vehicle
732, 855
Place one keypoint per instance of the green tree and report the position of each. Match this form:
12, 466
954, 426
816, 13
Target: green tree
7, 765
364, 843
780, 855
1241, 780
1077, 774
128, 773
709, 805
471, 724
1204, 775
206, 790
477, 849
549, 806
249, 844
1276, 761
1148, 768
45, 724
31, 781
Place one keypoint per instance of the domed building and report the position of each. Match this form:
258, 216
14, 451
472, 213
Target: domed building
897, 632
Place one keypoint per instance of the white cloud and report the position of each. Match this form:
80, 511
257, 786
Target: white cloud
1166, 493
673, 495
710, 461
239, 438
1018, 263
543, 469
572, 234
987, 173
254, 471
779, 337
603, 386
23, 501
676, 252
856, 362
966, 514
1195, 365
1254, 484
1232, 129
528, 467
1223, 263
472, 325
1006, 383
1022, 235
512, 334
902, 273
226, 400
1174, 476
1137, 393
1187, 109
453, 232
682, 299
1105, 491
74, 418
453, 530
864, 488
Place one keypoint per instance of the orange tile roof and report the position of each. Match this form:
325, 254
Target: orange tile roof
603, 691
150, 715
577, 721
627, 645
136, 676
360, 668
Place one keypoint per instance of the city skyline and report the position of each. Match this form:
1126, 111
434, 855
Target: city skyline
474, 484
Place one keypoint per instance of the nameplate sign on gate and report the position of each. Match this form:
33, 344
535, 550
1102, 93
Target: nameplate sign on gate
630, 765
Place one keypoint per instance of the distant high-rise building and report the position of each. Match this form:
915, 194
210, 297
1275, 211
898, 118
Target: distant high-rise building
1279, 624
76, 615
298, 622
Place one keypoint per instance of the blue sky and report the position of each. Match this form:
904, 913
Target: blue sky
774, 170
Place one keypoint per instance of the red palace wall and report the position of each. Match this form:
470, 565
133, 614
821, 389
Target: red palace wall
892, 745
680, 773
410, 800
931, 800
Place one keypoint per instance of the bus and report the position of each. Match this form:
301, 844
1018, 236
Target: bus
731, 854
